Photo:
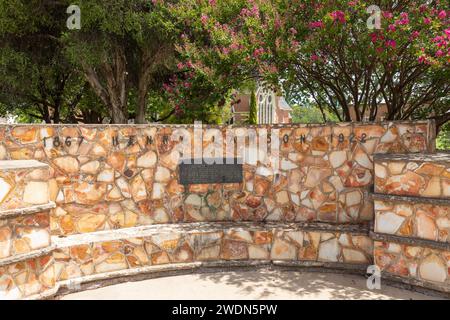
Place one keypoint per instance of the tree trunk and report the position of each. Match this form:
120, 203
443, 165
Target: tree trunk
144, 79
142, 103
118, 112
115, 91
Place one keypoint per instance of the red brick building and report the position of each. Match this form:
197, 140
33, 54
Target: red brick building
272, 108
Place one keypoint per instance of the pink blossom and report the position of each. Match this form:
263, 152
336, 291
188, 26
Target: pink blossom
204, 19
423, 59
178, 110
293, 31
440, 41
258, 52
415, 35
442, 14
373, 37
338, 16
423, 8
314, 57
316, 24
255, 11
245, 12
353, 3
447, 32
212, 2
277, 23
391, 27
234, 46
426, 20
167, 87
404, 19
180, 66
391, 43
440, 53
387, 15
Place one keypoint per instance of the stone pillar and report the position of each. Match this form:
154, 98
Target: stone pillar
26, 262
412, 218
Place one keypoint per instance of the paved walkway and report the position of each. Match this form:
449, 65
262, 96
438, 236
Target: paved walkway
260, 284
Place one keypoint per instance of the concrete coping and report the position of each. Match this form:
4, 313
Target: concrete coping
415, 157
410, 199
26, 210
7, 165
410, 241
161, 125
26, 256
199, 227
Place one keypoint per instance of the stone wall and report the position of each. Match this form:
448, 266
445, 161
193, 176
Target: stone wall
120, 210
413, 175
111, 177
140, 247
412, 218
26, 260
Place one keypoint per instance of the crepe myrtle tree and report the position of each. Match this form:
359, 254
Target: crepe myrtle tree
220, 50
340, 63
325, 51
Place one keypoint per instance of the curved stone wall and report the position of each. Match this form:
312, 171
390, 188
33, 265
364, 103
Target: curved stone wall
412, 218
26, 259
120, 210
107, 177
81, 256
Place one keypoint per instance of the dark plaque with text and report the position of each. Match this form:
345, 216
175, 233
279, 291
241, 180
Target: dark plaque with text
211, 171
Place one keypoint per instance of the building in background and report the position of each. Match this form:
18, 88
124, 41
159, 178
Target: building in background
272, 107
382, 112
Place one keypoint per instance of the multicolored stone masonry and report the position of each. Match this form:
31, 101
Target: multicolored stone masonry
105, 201
430, 267
23, 184
110, 177
33, 277
412, 218
425, 220
413, 175
26, 261
150, 246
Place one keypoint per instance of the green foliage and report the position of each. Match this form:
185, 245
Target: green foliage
311, 114
443, 139
38, 83
253, 114
181, 60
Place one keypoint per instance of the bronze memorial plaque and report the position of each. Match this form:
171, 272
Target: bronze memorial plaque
219, 171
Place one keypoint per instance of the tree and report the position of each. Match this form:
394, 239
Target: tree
337, 62
310, 113
325, 52
253, 115
38, 83
124, 47
443, 139
217, 51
